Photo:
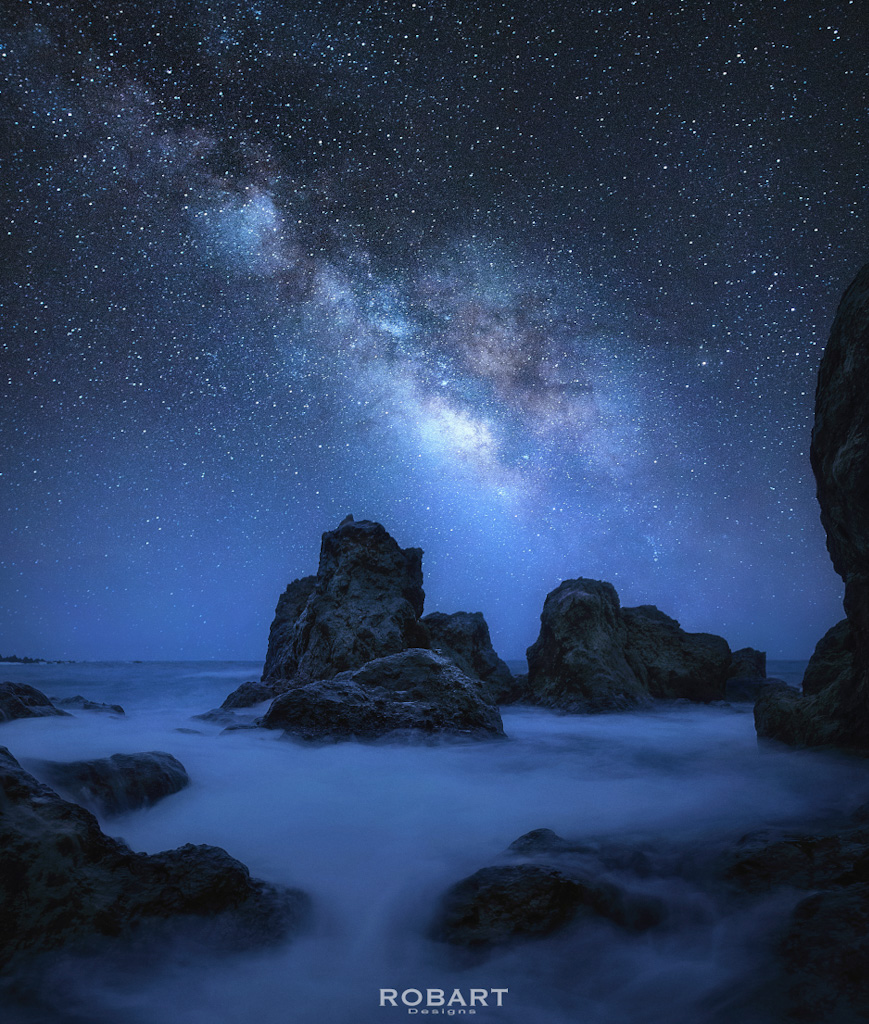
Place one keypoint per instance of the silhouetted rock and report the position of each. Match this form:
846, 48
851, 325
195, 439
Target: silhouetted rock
839, 712
63, 881
749, 689
539, 841
365, 604
499, 904
83, 704
671, 663
832, 662
593, 655
747, 663
578, 661
113, 785
18, 700
416, 691
251, 693
464, 638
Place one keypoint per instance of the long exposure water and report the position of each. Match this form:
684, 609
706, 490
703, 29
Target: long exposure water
376, 832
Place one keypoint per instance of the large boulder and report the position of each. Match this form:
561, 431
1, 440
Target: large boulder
838, 711
463, 637
416, 692
578, 661
18, 700
365, 603
832, 661
671, 663
116, 784
64, 882
594, 655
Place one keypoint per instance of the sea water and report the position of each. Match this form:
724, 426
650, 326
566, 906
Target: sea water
376, 832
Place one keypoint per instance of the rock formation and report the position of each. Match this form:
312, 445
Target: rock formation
18, 700
835, 708
64, 882
463, 637
594, 655
418, 692
83, 704
113, 785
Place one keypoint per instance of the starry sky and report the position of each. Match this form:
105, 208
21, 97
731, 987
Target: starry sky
541, 287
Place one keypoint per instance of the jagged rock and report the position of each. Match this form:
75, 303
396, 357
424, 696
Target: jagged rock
832, 662
498, 904
116, 784
826, 954
280, 659
83, 704
671, 663
747, 663
18, 700
64, 882
839, 712
365, 604
464, 638
593, 655
251, 693
417, 691
578, 662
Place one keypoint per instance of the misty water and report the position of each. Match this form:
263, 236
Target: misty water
375, 832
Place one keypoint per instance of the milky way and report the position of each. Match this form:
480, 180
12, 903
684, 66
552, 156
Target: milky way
543, 288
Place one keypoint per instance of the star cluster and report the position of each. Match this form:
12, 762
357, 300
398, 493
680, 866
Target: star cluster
543, 288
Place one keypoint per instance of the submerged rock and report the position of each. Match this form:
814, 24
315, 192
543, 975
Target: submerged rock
83, 704
464, 638
18, 700
594, 655
498, 904
64, 882
837, 711
417, 691
365, 603
113, 785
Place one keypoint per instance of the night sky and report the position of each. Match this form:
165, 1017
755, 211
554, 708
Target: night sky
542, 287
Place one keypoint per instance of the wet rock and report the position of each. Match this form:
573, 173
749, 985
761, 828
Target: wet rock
365, 603
251, 693
671, 663
498, 904
83, 704
540, 841
116, 784
416, 691
578, 661
63, 882
826, 953
786, 716
18, 700
464, 638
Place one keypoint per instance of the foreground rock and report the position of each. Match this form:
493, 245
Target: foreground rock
836, 706
417, 691
365, 603
464, 638
116, 784
63, 882
18, 700
594, 655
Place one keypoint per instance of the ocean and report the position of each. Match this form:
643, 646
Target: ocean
375, 832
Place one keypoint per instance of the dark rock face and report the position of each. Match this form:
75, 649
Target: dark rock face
671, 663
498, 904
416, 691
251, 693
747, 663
113, 785
593, 655
365, 604
63, 882
463, 637
838, 712
578, 661
83, 704
832, 662
18, 700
